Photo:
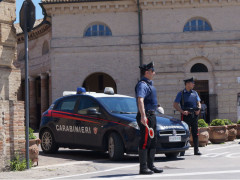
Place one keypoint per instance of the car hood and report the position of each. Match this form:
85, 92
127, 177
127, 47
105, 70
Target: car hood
163, 121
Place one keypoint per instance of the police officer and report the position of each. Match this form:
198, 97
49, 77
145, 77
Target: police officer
190, 109
147, 103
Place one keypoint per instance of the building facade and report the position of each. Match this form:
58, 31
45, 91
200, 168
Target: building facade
96, 44
12, 131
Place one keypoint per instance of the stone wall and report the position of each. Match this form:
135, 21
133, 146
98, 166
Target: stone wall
11, 111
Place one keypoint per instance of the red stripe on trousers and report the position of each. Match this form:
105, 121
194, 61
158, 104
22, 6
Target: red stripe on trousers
146, 137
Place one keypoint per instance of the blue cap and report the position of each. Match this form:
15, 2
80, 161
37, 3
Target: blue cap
81, 90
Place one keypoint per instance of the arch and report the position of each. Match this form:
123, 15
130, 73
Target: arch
198, 60
45, 48
96, 82
21, 55
197, 24
97, 29
199, 67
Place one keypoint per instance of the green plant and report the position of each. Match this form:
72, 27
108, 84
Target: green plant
238, 122
217, 122
18, 164
31, 135
202, 123
227, 121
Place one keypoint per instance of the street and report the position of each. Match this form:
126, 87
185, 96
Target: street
219, 161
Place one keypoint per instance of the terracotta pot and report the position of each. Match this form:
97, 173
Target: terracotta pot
232, 132
218, 134
202, 137
238, 131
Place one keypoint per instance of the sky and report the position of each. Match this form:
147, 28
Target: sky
38, 9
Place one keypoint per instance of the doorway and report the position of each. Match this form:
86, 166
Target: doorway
202, 87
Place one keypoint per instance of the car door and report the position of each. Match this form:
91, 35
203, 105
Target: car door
90, 124
63, 118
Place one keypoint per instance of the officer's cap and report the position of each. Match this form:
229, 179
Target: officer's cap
147, 67
189, 80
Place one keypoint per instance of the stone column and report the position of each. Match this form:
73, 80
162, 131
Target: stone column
32, 103
44, 92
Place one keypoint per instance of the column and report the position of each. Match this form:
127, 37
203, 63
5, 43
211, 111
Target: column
44, 92
33, 123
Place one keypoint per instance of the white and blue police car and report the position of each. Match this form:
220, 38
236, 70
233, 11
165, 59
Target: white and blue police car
107, 122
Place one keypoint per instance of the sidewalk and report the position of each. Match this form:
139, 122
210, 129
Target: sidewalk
62, 164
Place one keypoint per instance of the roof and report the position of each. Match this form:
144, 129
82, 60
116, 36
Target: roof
71, 1
19, 29
96, 95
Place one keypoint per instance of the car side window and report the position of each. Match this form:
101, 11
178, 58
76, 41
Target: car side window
67, 105
87, 103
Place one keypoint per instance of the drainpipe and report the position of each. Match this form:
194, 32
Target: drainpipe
139, 35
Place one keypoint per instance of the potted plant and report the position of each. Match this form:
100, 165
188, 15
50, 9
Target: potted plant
232, 129
238, 129
203, 133
33, 146
217, 131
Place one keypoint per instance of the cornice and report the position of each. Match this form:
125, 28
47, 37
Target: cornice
170, 4
89, 7
37, 32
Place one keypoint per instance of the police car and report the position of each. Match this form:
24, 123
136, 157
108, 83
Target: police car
107, 122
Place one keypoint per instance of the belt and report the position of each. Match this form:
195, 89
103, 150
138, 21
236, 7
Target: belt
151, 112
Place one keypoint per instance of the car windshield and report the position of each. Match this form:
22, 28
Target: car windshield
121, 105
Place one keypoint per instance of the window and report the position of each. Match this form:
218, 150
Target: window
197, 25
199, 68
67, 105
45, 48
87, 103
98, 30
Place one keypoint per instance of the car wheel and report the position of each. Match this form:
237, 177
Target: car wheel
172, 155
115, 147
48, 143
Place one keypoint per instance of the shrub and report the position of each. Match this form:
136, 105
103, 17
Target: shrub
31, 135
217, 122
238, 122
227, 121
202, 123
18, 164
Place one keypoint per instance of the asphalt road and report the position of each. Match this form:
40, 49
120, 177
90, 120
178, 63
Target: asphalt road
219, 161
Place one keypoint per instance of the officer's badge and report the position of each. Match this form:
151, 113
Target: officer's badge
95, 130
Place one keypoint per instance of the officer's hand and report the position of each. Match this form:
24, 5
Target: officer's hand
144, 120
197, 112
185, 113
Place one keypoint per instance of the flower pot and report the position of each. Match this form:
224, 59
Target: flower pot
238, 131
218, 134
232, 132
203, 136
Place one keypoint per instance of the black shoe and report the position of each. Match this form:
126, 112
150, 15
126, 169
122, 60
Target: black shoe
197, 153
182, 153
145, 171
156, 170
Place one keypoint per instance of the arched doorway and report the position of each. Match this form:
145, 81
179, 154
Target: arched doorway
96, 82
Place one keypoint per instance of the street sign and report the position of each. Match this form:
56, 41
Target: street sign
29, 7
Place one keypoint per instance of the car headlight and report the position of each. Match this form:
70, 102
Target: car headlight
185, 125
134, 125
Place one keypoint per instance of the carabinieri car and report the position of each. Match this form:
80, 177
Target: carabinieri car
107, 122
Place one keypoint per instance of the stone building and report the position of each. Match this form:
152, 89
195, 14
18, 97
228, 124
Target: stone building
96, 44
12, 136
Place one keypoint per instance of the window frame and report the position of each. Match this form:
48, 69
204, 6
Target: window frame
204, 27
96, 28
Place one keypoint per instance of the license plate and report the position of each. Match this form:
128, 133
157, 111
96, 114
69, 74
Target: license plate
174, 138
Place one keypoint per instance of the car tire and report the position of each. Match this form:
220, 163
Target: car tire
172, 155
48, 143
115, 147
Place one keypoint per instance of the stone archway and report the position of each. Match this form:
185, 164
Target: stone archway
96, 82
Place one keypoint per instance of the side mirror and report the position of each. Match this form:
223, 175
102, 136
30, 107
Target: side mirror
93, 111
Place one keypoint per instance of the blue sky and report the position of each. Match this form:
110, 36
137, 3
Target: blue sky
37, 8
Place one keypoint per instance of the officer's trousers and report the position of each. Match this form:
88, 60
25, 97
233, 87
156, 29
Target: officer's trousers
145, 141
192, 121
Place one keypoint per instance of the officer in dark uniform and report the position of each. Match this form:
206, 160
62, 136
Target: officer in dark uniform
190, 109
147, 103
